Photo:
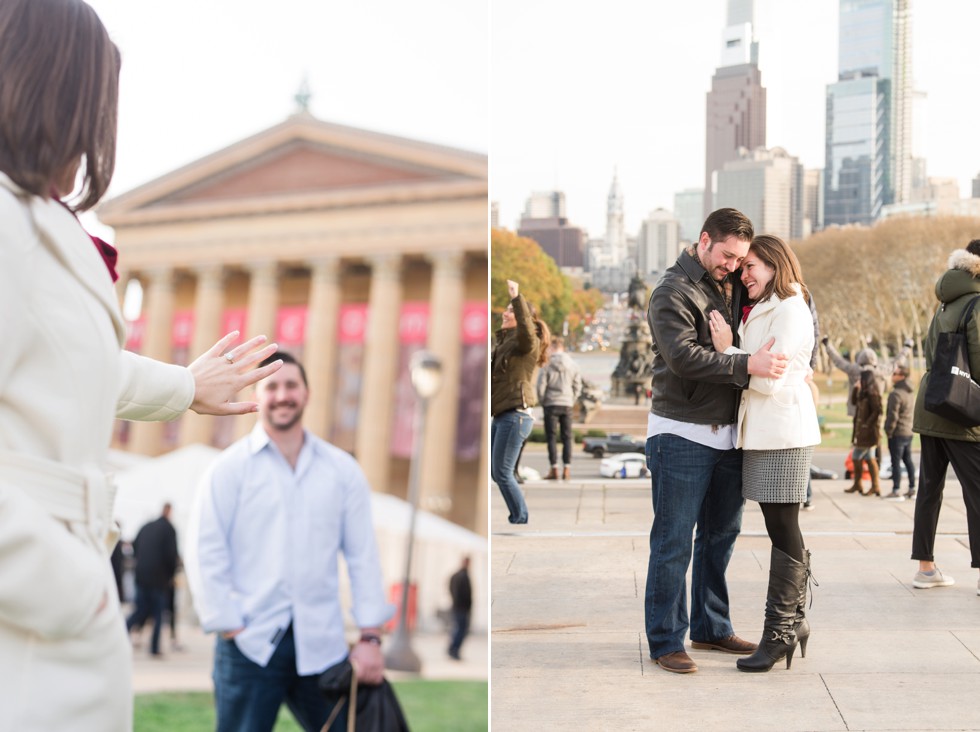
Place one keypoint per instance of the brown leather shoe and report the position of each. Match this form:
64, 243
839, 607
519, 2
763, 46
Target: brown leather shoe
677, 662
566, 473
552, 474
731, 644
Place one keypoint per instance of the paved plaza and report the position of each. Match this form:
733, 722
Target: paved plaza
569, 649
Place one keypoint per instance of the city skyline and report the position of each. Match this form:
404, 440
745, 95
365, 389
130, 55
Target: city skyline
593, 113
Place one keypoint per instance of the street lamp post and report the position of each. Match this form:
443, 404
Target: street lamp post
426, 372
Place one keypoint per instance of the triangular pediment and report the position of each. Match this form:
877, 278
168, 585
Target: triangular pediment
301, 167
301, 158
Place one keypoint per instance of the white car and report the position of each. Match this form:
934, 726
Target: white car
624, 465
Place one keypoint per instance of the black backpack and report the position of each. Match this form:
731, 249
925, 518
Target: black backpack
952, 393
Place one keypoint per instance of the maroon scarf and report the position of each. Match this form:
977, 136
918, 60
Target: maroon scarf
108, 252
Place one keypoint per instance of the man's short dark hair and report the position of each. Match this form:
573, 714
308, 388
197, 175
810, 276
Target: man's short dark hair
974, 247
286, 358
726, 222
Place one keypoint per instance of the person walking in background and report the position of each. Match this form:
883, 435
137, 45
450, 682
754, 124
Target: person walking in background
268, 525
777, 430
521, 346
155, 552
461, 591
696, 472
898, 430
866, 435
944, 442
559, 385
65, 376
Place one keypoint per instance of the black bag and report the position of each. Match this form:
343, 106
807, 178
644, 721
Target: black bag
952, 392
375, 708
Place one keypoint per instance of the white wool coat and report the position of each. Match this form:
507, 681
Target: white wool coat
64, 377
777, 414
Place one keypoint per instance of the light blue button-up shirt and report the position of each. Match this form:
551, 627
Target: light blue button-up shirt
264, 543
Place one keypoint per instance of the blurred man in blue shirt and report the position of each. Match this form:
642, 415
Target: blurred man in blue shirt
270, 520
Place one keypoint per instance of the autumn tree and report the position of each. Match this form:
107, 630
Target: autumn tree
877, 285
518, 258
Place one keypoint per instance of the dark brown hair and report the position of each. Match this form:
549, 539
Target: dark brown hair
59, 83
543, 333
285, 358
726, 222
776, 253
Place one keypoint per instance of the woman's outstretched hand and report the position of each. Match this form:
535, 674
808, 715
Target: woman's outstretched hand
220, 375
721, 331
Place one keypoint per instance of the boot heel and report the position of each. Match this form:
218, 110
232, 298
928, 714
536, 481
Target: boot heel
789, 656
803, 642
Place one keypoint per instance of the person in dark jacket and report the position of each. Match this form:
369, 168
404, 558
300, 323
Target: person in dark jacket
461, 591
867, 432
155, 551
518, 351
695, 470
898, 430
944, 442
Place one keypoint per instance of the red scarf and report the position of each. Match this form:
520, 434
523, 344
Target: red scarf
108, 252
746, 309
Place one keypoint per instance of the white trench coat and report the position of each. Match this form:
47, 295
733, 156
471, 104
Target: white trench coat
63, 379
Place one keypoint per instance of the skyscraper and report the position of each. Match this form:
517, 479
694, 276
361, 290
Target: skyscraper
736, 104
767, 186
869, 113
615, 231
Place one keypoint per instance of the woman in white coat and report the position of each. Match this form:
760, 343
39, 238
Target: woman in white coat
64, 377
777, 431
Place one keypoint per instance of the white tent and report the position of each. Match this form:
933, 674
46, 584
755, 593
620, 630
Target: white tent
440, 545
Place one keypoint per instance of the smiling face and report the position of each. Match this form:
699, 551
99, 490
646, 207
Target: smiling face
282, 398
756, 274
721, 258
507, 319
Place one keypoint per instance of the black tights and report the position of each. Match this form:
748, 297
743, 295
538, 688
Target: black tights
783, 525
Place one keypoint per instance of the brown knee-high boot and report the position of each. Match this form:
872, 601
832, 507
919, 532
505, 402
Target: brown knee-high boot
858, 472
875, 489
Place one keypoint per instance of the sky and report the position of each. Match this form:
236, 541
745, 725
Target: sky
580, 90
200, 75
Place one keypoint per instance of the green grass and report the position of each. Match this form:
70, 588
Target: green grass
429, 706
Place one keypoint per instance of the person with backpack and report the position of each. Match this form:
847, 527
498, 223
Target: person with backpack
559, 386
945, 442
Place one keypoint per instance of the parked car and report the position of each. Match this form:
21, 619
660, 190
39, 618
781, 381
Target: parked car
627, 465
613, 442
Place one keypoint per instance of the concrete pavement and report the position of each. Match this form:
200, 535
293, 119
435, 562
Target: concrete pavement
569, 648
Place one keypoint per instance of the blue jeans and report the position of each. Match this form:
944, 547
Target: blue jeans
247, 696
900, 451
693, 486
507, 434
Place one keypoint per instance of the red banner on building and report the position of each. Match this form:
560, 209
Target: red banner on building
291, 326
352, 322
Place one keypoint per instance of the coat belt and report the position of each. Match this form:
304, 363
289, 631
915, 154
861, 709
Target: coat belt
78, 496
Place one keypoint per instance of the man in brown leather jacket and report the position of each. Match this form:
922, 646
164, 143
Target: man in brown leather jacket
695, 470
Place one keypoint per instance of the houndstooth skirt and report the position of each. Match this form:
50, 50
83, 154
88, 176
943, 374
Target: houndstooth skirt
776, 476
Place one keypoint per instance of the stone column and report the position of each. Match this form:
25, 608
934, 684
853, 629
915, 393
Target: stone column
445, 326
158, 304
372, 446
263, 301
321, 343
208, 302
